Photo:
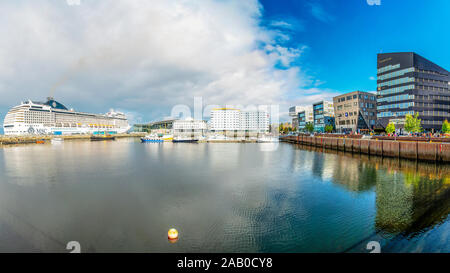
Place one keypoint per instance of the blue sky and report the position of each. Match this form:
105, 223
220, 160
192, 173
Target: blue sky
145, 58
343, 37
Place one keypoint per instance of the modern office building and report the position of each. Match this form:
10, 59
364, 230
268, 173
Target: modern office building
229, 119
189, 126
323, 113
305, 117
140, 128
295, 124
161, 126
355, 111
294, 110
407, 84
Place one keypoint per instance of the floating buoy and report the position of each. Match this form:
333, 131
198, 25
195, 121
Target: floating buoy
172, 234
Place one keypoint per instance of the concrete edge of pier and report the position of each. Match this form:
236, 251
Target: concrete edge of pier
418, 150
14, 140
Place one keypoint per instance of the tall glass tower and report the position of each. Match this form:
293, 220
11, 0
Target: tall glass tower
407, 84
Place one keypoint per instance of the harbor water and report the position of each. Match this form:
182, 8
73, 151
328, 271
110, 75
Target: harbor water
123, 196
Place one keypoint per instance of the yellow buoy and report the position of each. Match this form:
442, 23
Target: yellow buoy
172, 234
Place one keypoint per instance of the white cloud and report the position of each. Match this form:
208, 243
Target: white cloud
372, 78
281, 24
144, 56
319, 12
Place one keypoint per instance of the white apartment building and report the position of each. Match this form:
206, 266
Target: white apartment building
229, 119
225, 119
254, 121
309, 114
294, 110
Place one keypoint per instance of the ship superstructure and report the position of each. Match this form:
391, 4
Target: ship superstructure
53, 118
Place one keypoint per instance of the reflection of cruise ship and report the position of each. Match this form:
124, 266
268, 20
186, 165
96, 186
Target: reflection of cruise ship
52, 117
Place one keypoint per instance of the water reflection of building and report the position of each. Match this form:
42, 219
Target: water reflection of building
355, 177
33, 165
22, 167
318, 164
410, 196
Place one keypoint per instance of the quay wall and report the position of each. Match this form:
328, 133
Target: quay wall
419, 150
6, 140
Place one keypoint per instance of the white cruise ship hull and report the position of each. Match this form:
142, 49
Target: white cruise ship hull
53, 118
19, 129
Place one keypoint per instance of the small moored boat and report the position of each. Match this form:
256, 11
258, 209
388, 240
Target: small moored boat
100, 138
151, 139
185, 140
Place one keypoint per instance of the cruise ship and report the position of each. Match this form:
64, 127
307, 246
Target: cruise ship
53, 118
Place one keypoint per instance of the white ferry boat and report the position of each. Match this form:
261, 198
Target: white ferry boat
53, 118
167, 137
152, 138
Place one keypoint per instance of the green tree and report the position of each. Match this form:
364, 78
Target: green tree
390, 128
281, 128
329, 128
413, 123
446, 127
309, 127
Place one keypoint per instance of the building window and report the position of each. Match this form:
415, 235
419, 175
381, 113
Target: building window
387, 68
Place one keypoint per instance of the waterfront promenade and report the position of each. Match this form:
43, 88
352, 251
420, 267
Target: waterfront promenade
418, 150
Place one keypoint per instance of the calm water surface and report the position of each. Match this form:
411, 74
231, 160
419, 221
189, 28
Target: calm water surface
123, 196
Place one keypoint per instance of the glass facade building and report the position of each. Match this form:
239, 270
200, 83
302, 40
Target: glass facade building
301, 120
323, 114
304, 117
407, 84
